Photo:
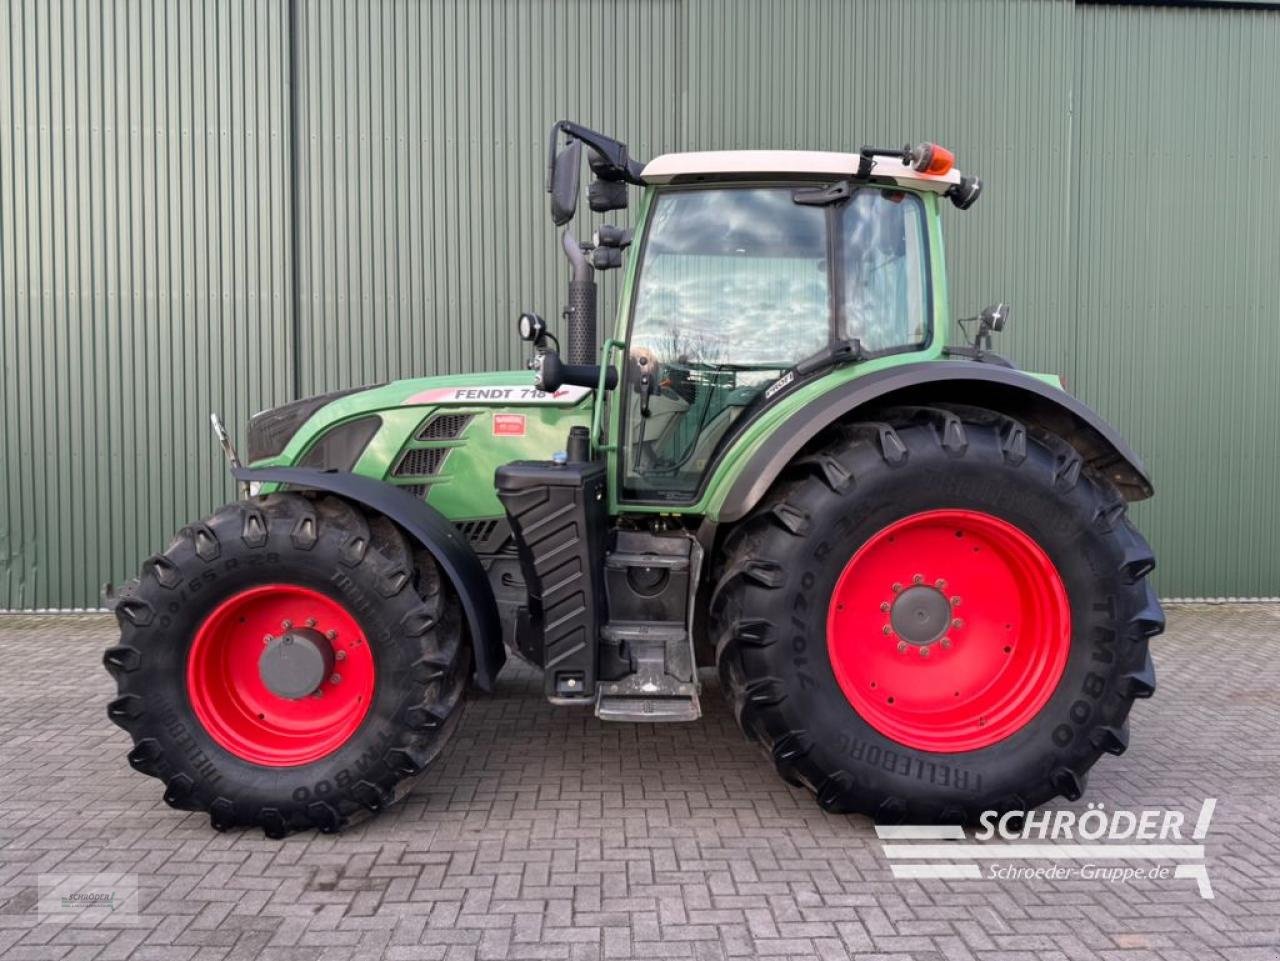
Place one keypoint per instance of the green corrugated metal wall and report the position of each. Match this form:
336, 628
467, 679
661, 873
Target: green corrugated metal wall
148, 191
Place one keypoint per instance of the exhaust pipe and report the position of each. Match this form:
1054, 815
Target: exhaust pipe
580, 315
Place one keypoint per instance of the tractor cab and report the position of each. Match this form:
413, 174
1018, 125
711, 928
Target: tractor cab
749, 274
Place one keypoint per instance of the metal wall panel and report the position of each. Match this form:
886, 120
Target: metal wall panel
424, 229
143, 273
989, 78
1176, 263
147, 188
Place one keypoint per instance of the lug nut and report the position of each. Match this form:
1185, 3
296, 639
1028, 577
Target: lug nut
955, 602
339, 655
317, 693
902, 647
958, 622
331, 634
287, 624
886, 606
945, 642
940, 584
917, 579
887, 629
311, 622
897, 588
335, 678
924, 651
268, 639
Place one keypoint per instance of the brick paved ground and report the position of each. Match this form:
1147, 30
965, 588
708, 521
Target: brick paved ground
546, 834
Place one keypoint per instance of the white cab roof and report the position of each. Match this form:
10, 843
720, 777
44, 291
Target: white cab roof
744, 164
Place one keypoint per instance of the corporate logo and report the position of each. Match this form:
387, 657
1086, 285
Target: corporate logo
1093, 845
513, 394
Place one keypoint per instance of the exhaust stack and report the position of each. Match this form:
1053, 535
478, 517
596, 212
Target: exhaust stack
580, 314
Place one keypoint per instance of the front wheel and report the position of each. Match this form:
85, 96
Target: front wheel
937, 614
289, 662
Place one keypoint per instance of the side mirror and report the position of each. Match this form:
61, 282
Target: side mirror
565, 171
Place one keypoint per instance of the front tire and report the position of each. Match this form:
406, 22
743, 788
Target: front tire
361, 689
937, 614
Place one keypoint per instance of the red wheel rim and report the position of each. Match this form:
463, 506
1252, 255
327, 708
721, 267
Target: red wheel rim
234, 704
949, 630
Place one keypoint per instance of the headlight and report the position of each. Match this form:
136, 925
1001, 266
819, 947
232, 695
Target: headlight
340, 447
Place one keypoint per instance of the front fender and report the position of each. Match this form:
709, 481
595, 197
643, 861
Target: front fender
429, 528
1006, 390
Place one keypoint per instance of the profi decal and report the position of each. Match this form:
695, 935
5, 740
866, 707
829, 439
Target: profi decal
498, 395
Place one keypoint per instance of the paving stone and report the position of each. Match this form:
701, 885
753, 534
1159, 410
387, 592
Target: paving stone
545, 834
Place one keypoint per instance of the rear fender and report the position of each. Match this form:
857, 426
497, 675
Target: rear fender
429, 528
1006, 390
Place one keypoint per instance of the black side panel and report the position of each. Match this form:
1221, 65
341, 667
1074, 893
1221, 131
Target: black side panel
1008, 391
426, 525
558, 517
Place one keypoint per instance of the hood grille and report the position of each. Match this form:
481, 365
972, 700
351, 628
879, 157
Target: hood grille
444, 427
422, 462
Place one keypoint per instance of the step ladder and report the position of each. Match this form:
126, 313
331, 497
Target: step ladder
648, 582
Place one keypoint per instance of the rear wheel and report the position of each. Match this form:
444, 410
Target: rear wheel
288, 663
935, 615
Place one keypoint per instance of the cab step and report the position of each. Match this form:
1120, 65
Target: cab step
646, 708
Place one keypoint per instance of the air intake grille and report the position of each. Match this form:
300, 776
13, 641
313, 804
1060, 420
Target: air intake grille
444, 427
488, 535
422, 462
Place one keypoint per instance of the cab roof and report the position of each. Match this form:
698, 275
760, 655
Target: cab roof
713, 165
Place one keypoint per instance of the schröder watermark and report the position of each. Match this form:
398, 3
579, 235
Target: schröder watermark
1080, 846
91, 899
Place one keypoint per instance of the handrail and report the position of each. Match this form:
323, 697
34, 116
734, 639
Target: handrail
597, 411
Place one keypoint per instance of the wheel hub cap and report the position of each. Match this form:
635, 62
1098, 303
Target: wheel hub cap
296, 664
920, 615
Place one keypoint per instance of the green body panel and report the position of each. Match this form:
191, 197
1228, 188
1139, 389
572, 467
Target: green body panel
509, 420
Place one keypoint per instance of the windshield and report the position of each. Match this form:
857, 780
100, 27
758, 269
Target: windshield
734, 288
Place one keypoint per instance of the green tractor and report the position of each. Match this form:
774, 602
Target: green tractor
909, 560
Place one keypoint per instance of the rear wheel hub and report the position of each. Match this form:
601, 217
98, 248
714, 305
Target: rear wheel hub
949, 630
920, 615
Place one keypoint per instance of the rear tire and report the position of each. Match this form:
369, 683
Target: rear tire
790, 657
187, 675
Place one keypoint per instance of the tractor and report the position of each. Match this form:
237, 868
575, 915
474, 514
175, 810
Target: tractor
908, 560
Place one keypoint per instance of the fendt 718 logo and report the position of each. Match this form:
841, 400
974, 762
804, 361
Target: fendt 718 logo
1095, 844
498, 394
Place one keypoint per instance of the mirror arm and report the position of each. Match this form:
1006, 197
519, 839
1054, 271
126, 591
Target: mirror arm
613, 151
